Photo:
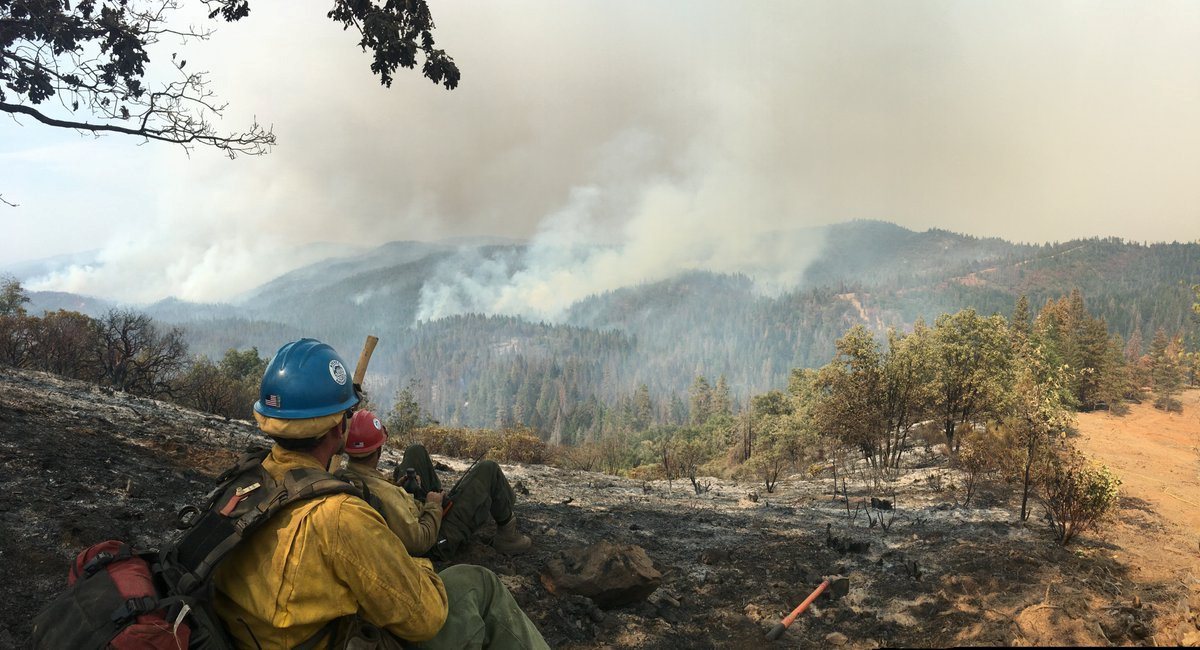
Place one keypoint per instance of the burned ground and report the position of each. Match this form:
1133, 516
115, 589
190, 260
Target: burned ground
82, 465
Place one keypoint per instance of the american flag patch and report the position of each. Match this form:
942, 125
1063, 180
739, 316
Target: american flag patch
272, 401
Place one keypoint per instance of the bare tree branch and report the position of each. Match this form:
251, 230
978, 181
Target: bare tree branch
255, 141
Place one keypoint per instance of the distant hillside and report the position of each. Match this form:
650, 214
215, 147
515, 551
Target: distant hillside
31, 269
338, 281
479, 370
41, 301
880, 253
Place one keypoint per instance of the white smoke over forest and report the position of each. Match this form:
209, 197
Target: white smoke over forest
631, 141
572, 257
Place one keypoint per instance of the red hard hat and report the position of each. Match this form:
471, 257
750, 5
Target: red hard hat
366, 433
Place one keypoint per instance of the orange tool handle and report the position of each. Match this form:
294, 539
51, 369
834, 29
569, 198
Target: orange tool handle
791, 618
779, 628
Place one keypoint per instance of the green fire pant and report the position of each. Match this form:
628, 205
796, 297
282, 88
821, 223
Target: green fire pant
483, 614
482, 495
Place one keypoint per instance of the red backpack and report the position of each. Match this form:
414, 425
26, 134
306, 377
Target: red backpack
114, 579
125, 599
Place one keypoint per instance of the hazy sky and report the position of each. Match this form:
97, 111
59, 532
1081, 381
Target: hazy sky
669, 129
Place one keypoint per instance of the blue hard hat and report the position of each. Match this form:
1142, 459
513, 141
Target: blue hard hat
306, 379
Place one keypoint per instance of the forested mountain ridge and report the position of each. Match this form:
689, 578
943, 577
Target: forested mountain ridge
883, 253
560, 377
386, 279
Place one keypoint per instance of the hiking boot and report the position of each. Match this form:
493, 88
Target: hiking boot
509, 540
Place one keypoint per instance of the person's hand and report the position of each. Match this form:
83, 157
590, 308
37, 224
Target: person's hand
434, 498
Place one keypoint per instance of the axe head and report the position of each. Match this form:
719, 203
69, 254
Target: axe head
839, 586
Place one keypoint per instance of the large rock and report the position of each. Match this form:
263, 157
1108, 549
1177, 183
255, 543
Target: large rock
611, 575
836, 639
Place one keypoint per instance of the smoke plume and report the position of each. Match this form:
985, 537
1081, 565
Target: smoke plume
630, 141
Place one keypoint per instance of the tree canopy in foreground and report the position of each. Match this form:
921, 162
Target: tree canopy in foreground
86, 65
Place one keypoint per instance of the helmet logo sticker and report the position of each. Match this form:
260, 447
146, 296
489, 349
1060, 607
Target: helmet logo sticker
337, 371
376, 423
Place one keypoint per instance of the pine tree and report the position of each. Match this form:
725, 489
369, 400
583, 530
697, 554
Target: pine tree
1117, 381
643, 408
1138, 363
519, 416
1165, 371
406, 413
1133, 347
699, 401
1092, 355
678, 412
720, 403
1020, 317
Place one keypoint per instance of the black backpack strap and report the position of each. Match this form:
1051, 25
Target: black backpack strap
329, 630
101, 560
247, 462
137, 606
253, 456
303, 483
358, 482
245, 502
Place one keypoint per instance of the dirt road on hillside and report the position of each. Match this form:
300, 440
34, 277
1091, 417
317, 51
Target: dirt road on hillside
1157, 532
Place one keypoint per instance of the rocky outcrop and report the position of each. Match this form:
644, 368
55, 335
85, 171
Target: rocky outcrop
611, 575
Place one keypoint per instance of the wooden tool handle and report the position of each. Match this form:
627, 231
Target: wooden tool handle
364, 359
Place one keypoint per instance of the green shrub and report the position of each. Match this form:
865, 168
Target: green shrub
508, 446
1168, 404
519, 446
929, 436
1077, 493
980, 456
648, 472
455, 442
584, 457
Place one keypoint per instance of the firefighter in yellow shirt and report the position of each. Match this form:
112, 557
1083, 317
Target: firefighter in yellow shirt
332, 561
483, 495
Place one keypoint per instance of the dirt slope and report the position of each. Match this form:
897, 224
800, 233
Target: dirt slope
81, 465
1157, 532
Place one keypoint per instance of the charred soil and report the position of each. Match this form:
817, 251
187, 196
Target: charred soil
82, 465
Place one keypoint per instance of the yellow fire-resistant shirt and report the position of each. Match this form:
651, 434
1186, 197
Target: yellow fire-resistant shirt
416, 524
320, 560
